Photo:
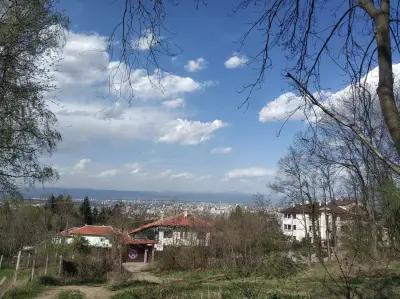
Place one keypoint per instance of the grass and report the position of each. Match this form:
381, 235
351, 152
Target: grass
30, 291
7, 272
316, 282
71, 294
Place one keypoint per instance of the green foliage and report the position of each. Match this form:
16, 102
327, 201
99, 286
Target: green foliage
391, 212
277, 265
48, 280
30, 291
86, 211
183, 258
30, 35
71, 294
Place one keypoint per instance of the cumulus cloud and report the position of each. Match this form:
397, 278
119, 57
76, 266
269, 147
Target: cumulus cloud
82, 80
196, 65
289, 104
189, 132
84, 60
86, 72
134, 168
146, 41
248, 173
236, 61
81, 165
173, 104
221, 150
158, 85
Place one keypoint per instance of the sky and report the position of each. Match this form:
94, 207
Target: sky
188, 135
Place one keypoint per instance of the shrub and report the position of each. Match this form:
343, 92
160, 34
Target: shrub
183, 258
49, 280
277, 265
30, 291
87, 268
71, 294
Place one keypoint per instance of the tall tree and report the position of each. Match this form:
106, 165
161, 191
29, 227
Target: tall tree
86, 211
30, 34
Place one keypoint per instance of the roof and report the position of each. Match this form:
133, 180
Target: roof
101, 230
127, 240
331, 207
298, 209
175, 221
89, 230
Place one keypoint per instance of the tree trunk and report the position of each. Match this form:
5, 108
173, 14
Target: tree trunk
385, 92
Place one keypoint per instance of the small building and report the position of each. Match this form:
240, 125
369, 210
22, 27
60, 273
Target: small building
297, 219
98, 236
179, 230
107, 237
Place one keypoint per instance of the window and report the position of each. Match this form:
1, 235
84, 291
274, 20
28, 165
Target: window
168, 233
289, 227
285, 226
294, 216
294, 227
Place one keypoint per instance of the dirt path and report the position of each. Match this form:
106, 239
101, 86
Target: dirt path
90, 292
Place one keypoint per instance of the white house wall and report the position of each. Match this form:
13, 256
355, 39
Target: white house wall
93, 241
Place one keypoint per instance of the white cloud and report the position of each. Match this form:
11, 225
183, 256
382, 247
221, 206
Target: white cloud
181, 175
287, 104
173, 104
196, 65
221, 150
248, 173
81, 165
83, 81
158, 85
107, 173
85, 73
189, 132
236, 61
146, 41
134, 168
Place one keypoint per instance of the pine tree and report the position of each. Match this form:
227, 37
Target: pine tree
86, 211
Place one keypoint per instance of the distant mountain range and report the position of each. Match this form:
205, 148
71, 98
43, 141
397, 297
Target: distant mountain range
99, 194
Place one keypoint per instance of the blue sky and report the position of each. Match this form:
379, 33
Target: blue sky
190, 138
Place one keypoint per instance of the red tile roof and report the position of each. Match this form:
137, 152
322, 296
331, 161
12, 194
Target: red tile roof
175, 221
97, 230
89, 230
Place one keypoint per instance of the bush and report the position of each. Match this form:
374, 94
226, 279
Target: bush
30, 291
71, 294
277, 265
87, 269
49, 281
183, 258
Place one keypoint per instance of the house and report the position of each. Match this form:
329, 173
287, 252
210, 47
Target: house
297, 219
107, 237
98, 236
179, 230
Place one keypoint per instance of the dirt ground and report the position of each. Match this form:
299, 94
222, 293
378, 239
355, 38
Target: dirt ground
92, 292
